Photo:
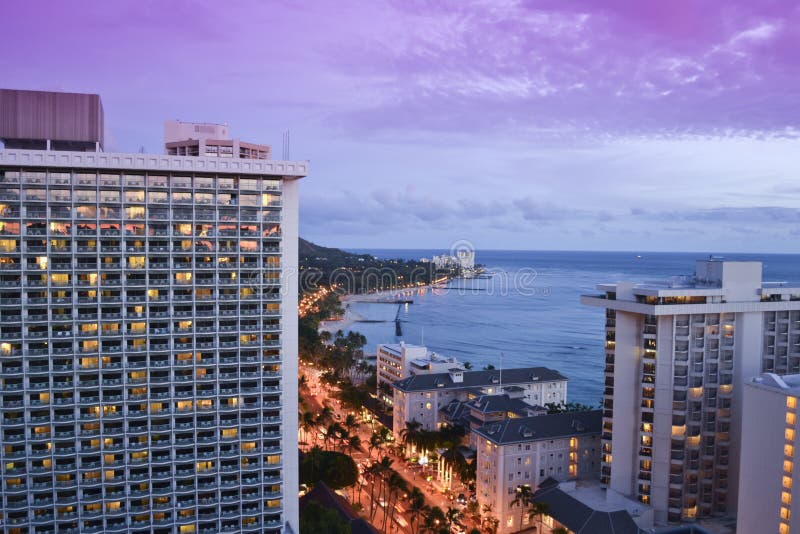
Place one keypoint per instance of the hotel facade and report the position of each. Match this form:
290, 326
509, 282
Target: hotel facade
148, 337
677, 356
769, 464
525, 451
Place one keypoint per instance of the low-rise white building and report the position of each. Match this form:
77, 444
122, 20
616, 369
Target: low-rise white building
768, 463
420, 397
519, 452
399, 360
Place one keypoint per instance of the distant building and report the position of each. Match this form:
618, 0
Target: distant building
583, 507
420, 397
769, 461
463, 260
678, 353
208, 140
526, 451
399, 360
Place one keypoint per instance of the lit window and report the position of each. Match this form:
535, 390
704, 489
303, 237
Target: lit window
788, 450
791, 402
787, 482
789, 434
790, 418
785, 513
786, 498
788, 465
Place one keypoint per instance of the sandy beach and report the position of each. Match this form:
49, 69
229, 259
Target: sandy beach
350, 317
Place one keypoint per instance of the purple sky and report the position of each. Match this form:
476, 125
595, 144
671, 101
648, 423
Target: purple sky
528, 125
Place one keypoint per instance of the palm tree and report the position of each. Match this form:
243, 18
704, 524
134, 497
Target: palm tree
522, 499
433, 519
453, 515
375, 442
308, 423
351, 422
492, 523
395, 485
384, 466
411, 434
354, 443
416, 506
467, 365
538, 509
372, 473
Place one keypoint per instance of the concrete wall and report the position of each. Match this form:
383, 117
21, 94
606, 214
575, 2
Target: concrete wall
289, 283
627, 389
761, 474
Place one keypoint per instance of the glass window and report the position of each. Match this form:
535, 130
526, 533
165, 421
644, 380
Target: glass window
182, 196
109, 196
29, 177
9, 177
84, 195
157, 181
59, 178
135, 212
134, 196
85, 178
64, 195
203, 198
184, 182
249, 200
249, 184
109, 180
203, 182
35, 194
158, 197
134, 180
86, 212
226, 183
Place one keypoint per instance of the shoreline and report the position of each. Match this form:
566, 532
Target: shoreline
350, 317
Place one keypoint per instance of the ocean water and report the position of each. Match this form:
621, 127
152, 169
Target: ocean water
529, 313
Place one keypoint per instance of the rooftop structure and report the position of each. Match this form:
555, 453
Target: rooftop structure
399, 360
585, 508
209, 140
677, 355
492, 380
44, 120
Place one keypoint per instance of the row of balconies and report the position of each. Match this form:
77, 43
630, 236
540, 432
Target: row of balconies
247, 184
159, 472
88, 381
10, 369
226, 264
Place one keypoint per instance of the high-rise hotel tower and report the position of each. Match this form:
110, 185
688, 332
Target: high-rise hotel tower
148, 332
678, 354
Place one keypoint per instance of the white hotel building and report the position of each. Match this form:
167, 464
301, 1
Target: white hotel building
148, 334
678, 354
769, 458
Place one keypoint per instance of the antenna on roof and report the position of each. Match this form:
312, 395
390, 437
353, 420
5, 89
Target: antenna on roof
286, 145
499, 389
